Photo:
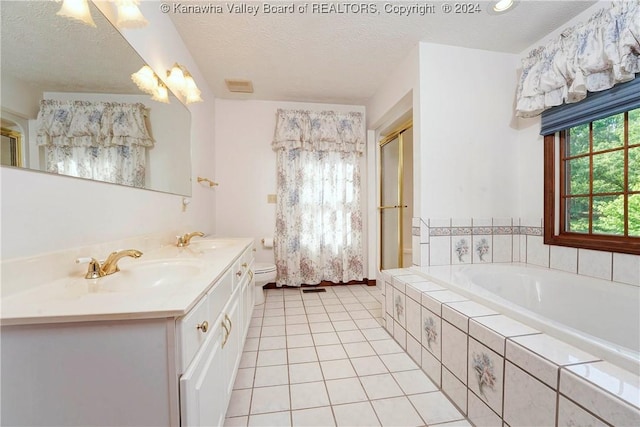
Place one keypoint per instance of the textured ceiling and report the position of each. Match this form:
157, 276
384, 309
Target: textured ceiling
344, 58
54, 53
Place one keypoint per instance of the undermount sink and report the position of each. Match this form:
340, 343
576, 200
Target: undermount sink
150, 274
209, 244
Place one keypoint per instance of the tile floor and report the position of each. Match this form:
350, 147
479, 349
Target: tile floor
322, 359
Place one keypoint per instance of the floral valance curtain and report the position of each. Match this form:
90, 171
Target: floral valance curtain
319, 131
588, 57
104, 141
318, 213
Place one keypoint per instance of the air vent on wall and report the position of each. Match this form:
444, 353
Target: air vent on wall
243, 86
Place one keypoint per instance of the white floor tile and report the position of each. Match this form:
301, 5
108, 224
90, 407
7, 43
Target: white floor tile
297, 319
334, 307
309, 395
360, 314
302, 355
351, 336
274, 321
236, 422
272, 331
270, 399
414, 382
303, 340
319, 317
239, 403
386, 346
396, 411
244, 378
335, 317
248, 359
251, 344
272, 343
369, 365
435, 408
318, 309
326, 338
298, 329
398, 362
293, 311
347, 390
316, 417
359, 349
344, 325
367, 323
376, 334
269, 420
321, 327
272, 357
335, 369
271, 375
331, 352
355, 415
380, 386
305, 372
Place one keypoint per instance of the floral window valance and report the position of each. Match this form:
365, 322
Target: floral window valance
319, 131
589, 57
92, 124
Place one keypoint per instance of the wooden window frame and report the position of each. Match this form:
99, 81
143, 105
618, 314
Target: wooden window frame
554, 231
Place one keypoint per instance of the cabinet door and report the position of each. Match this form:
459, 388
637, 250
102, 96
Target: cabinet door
235, 340
203, 387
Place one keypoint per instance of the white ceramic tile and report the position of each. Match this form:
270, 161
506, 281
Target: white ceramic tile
272, 331
480, 414
309, 395
424, 232
502, 222
527, 401
415, 290
321, 327
400, 335
335, 369
413, 317
305, 372
414, 349
431, 326
351, 336
366, 323
626, 268
273, 419
256, 321
486, 376
344, 325
399, 307
454, 350
435, 408
326, 338
414, 382
335, 316
389, 324
522, 248
380, 386
540, 355
362, 314
355, 415
254, 332
331, 352
492, 331
376, 334
318, 309
564, 258
570, 414
398, 362
347, 390
298, 329
359, 349
440, 250
273, 343
595, 263
270, 399
314, 417
251, 344
439, 222
415, 250
323, 317
458, 313
482, 222
458, 423
292, 311
244, 378
605, 389
272, 357
537, 251
424, 254
271, 312
455, 389
298, 319
396, 411
461, 248
273, 321
271, 375
303, 340
434, 300
369, 365
389, 308
431, 366
461, 222
239, 403
236, 421
302, 355
482, 249
248, 359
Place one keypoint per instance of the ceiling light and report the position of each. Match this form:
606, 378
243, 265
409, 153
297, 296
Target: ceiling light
77, 9
129, 15
502, 5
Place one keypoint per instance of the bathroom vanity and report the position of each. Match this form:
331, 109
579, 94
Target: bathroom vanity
158, 343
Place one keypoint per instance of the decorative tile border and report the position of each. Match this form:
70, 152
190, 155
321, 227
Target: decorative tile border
499, 230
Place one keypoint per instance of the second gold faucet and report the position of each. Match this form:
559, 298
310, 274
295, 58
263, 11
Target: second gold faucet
186, 239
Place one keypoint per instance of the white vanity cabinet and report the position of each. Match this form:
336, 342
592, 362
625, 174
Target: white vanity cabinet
168, 371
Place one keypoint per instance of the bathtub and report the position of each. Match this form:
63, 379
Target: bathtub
598, 316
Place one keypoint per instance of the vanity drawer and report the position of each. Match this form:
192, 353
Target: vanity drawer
242, 266
220, 293
192, 331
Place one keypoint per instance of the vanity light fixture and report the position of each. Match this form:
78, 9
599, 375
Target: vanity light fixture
77, 9
129, 15
146, 80
161, 94
502, 5
181, 80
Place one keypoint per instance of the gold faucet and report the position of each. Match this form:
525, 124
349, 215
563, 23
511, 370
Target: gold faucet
186, 239
109, 266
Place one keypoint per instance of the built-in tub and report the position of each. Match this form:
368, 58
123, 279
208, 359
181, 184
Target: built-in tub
599, 316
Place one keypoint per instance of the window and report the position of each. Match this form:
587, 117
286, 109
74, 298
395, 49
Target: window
592, 184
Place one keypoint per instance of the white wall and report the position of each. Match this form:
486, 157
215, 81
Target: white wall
246, 167
43, 213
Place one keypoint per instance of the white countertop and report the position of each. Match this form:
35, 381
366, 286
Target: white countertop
75, 299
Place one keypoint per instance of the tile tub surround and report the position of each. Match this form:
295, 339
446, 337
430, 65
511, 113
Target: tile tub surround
447, 241
498, 370
343, 369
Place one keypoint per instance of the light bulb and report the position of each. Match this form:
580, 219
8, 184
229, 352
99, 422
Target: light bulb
129, 15
77, 9
161, 94
146, 80
175, 78
502, 5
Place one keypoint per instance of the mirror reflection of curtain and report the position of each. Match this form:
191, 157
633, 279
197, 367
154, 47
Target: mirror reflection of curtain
318, 212
106, 141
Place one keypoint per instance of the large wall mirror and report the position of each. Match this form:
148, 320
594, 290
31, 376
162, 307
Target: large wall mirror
69, 105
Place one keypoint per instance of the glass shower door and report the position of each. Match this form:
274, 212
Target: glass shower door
390, 203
